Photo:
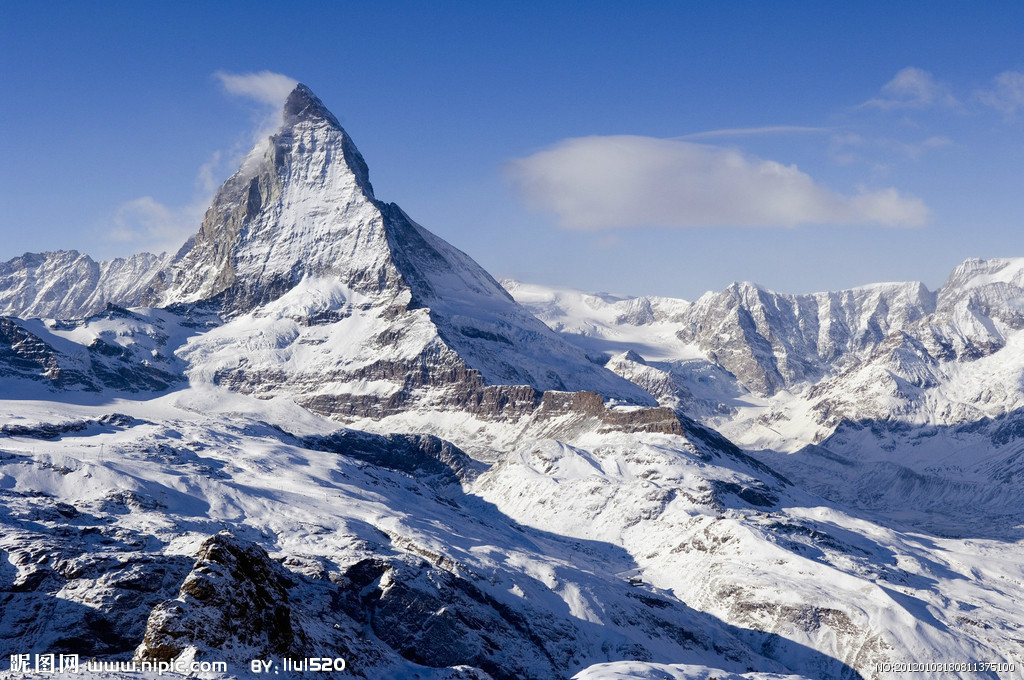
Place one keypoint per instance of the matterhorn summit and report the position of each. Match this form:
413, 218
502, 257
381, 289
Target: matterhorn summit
359, 309
300, 205
313, 288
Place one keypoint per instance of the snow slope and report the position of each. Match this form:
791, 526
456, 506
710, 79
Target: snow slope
528, 565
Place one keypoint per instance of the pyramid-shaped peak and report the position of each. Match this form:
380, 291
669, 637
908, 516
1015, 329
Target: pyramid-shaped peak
303, 105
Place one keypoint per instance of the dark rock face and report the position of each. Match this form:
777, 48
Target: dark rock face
82, 588
755, 493
239, 604
437, 619
54, 430
235, 598
463, 389
590, 405
422, 456
23, 354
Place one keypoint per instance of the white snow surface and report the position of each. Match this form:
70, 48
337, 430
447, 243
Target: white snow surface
554, 529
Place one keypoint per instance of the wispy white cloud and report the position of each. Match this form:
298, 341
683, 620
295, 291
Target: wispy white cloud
749, 132
265, 87
1006, 93
848, 147
887, 207
148, 225
207, 180
913, 88
594, 183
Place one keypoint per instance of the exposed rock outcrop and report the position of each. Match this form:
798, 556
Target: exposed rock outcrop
234, 603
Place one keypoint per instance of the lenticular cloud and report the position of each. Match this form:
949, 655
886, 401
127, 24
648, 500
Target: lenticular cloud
631, 181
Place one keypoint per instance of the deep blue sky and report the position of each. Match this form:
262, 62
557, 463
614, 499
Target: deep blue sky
904, 121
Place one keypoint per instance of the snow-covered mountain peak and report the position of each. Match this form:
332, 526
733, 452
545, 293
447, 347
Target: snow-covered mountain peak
67, 284
976, 272
309, 286
303, 108
746, 287
303, 105
398, 311
300, 205
998, 279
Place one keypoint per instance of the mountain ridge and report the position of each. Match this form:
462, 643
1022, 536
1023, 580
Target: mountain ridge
789, 340
68, 284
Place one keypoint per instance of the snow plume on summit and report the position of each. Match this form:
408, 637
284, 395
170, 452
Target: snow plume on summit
267, 89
